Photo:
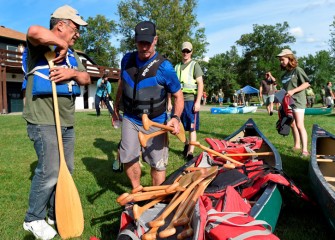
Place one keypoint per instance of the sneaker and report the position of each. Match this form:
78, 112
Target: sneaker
117, 166
40, 229
51, 222
271, 113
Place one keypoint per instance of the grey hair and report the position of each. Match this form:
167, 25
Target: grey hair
54, 21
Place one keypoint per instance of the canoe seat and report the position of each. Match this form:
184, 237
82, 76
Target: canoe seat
329, 179
324, 160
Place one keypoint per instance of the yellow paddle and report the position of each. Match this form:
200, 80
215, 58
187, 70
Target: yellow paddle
69, 213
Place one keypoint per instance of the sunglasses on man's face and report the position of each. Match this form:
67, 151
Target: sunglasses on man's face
186, 51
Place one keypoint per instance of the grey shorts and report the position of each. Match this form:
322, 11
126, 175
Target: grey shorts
267, 99
155, 153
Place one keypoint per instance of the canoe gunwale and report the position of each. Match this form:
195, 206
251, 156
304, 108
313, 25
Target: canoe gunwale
270, 189
325, 194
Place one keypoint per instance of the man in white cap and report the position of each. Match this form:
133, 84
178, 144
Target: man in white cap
190, 77
68, 73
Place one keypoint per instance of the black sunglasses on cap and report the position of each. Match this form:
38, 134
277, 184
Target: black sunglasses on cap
186, 51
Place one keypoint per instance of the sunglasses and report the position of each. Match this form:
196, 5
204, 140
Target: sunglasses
76, 30
186, 51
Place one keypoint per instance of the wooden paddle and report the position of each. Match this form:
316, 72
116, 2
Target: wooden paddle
147, 123
145, 137
170, 229
69, 212
160, 220
216, 153
249, 154
183, 182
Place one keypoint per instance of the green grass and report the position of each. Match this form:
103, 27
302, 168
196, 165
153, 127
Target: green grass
99, 186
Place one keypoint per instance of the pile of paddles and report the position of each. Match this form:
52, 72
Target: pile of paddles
182, 209
179, 197
209, 197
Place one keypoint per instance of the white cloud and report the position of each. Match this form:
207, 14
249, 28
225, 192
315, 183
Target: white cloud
225, 22
297, 32
311, 40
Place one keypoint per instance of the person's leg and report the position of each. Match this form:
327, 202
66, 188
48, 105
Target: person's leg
299, 117
156, 154
296, 137
133, 171
110, 109
130, 152
186, 124
97, 103
193, 132
271, 100
158, 177
46, 173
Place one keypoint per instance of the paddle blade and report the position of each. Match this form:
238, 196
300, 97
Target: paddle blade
181, 135
69, 213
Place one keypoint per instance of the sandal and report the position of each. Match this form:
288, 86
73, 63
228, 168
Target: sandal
305, 154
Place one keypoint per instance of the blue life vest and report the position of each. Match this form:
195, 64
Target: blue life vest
41, 83
24, 69
141, 92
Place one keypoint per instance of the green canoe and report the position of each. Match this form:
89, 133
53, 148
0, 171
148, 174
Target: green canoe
317, 111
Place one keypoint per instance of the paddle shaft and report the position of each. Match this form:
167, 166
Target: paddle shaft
249, 154
216, 153
145, 137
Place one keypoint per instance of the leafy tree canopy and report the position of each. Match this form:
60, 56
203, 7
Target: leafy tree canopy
260, 49
175, 21
222, 73
319, 68
95, 41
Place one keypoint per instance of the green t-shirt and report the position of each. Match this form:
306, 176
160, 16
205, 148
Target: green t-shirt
39, 109
293, 79
197, 73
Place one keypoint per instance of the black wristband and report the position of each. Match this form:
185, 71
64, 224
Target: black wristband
176, 117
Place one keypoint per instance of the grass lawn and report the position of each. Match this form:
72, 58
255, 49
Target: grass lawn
99, 186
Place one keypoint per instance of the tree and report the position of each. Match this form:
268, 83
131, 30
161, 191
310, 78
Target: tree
175, 22
95, 41
222, 72
260, 49
332, 39
319, 68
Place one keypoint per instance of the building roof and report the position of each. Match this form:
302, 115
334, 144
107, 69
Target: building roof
10, 33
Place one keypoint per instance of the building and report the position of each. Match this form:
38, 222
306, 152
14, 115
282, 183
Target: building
12, 44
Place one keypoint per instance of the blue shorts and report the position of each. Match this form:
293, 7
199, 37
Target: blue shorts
189, 118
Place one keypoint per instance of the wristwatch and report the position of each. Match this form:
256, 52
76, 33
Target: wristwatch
176, 117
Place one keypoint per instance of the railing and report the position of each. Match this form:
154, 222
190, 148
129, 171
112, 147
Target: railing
13, 59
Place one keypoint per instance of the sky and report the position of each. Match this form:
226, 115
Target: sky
224, 20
